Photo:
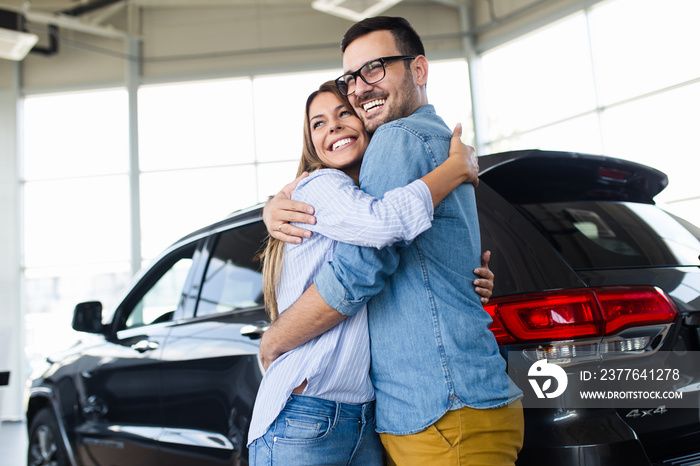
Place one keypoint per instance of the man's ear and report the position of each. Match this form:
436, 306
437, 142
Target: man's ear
420, 69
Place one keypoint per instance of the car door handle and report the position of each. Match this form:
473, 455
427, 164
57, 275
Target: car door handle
255, 331
144, 345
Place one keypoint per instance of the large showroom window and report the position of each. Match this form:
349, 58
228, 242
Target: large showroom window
196, 157
542, 79
76, 209
582, 85
279, 118
649, 85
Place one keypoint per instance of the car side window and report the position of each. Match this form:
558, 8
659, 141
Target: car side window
233, 278
163, 290
160, 302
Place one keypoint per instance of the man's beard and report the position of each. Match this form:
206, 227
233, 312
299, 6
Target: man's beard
403, 103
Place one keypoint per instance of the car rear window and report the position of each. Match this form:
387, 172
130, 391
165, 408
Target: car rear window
615, 234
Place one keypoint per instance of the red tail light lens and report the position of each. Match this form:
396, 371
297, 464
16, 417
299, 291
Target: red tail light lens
577, 314
546, 316
613, 174
632, 307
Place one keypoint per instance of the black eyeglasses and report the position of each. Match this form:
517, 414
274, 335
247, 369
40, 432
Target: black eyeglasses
371, 72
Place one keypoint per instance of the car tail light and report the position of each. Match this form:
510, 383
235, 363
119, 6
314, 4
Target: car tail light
633, 307
546, 316
614, 174
579, 314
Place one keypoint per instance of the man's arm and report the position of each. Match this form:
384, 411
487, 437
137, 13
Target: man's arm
310, 316
307, 318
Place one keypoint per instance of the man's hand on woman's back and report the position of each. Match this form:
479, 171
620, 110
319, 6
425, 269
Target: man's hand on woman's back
280, 210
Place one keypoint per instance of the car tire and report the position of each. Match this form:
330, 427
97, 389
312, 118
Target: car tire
45, 443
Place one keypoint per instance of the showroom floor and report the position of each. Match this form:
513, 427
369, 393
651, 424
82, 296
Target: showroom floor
13, 443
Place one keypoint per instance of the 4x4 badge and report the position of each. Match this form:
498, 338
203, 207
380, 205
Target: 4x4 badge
635, 413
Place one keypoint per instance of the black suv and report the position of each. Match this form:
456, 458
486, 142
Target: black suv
170, 375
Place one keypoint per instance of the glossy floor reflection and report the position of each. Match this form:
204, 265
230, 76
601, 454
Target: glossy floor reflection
13, 444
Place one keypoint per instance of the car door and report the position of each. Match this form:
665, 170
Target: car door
210, 367
119, 384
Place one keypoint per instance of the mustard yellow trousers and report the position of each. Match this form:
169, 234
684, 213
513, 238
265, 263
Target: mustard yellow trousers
464, 437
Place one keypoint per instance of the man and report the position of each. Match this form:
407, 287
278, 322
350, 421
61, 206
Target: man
443, 396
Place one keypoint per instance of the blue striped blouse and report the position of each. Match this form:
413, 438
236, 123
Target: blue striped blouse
335, 364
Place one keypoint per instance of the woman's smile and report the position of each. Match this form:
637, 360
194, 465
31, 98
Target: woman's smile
338, 135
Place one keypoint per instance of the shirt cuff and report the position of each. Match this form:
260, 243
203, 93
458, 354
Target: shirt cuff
422, 191
334, 293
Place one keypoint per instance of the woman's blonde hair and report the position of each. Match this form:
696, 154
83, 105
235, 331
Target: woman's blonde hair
273, 255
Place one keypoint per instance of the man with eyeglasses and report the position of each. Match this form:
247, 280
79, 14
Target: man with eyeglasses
443, 395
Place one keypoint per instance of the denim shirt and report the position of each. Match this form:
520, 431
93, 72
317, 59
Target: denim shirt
431, 347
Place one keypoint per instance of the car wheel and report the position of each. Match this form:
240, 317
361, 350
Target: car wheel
45, 444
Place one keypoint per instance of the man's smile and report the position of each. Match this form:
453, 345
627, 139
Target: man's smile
373, 105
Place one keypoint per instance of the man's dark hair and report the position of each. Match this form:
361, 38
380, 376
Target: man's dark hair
407, 40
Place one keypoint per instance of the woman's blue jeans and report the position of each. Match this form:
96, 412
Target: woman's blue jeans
311, 431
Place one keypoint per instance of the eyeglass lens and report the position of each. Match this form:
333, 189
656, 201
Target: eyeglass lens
370, 73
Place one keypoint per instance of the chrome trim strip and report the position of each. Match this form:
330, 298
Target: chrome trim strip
189, 437
196, 438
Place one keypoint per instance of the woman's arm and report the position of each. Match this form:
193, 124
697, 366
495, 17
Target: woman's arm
349, 215
280, 211
457, 169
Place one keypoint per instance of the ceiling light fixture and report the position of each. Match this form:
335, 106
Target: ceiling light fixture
15, 43
354, 10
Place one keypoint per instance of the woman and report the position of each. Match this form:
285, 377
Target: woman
314, 405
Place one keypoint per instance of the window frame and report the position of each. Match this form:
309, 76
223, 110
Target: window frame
208, 253
145, 282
